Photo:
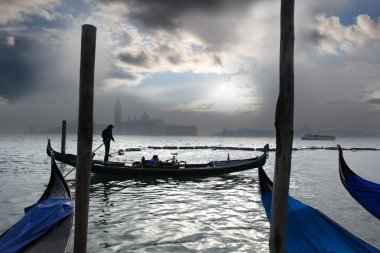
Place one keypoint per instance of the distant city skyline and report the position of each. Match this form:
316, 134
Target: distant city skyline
144, 125
213, 64
228, 132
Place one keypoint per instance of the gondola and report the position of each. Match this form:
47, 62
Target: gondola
168, 169
365, 192
309, 230
46, 225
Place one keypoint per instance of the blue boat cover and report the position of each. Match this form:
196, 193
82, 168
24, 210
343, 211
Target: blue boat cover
38, 219
309, 230
366, 193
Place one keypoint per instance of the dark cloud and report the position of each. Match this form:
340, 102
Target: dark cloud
313, 37
213, 21
25, 64
374, 101
166, 14
17, 77
121, 74
174, 59
141, 59
217, 60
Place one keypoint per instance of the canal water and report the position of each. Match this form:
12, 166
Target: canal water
215, 214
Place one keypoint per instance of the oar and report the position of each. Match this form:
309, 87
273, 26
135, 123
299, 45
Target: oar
93, 153
69, 172
119, 152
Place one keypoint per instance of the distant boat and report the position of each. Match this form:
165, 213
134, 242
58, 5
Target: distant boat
367, 193
309, 230
318, 137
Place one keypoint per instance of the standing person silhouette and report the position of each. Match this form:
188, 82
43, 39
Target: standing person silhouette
107, 137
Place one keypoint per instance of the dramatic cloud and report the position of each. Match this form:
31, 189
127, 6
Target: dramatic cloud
197, 36
211, 63
337, 38
375, 101
22, 10
16, 69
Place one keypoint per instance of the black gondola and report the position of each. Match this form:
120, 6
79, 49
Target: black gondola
309, 230
365, 192
181, 169
46, 226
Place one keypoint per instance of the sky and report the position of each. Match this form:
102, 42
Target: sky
211, 63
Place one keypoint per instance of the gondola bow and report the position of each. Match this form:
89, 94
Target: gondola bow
365, 192
46, 225
309, 230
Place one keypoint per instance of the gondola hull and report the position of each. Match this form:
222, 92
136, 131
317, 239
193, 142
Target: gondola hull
167, 169
365, 192
53, 236
309, 230
217, 168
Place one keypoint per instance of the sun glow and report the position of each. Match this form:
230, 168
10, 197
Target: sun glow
228, 98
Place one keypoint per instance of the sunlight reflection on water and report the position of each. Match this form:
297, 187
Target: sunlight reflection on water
217, 214
214, 215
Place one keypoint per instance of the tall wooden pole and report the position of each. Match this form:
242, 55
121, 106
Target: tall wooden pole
284, 131
63, 138
85, 130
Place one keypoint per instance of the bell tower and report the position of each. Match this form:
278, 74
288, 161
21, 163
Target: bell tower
117, 119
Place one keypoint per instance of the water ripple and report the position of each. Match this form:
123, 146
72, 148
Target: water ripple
213, 215
217, 214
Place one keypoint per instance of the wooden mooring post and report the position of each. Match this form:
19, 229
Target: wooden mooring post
63, 138
284, 131
85, 132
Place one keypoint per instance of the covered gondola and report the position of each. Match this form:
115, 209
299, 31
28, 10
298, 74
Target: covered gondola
365, 192
309, 230
46, 225
167, 169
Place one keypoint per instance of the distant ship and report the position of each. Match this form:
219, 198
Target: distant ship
318, 137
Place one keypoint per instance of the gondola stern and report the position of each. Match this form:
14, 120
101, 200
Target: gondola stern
344, 171
53, 234
265, 183
49, 148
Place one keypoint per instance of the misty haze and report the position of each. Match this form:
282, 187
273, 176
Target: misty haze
185, 70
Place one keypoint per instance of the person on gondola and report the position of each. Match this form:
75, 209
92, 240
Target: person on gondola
107, 137
155, 162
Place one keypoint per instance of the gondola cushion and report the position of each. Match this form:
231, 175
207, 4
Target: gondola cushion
38, 220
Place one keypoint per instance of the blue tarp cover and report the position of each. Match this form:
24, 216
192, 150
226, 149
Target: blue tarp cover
366, 193
309, 230
38, 219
